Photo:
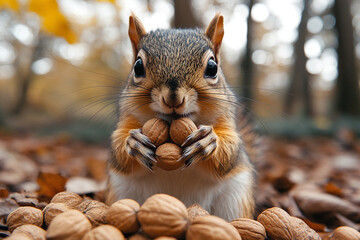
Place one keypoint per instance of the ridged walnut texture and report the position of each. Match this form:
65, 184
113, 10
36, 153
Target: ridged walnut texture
163, 215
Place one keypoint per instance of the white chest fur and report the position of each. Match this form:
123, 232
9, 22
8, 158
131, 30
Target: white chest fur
222, 198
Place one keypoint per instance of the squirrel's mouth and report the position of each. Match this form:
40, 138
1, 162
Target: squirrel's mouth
174, 115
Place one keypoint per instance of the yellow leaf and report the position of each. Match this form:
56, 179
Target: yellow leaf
12, 4
52, 19
112, 1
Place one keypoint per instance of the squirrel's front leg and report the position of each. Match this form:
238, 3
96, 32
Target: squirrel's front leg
130, 147
216, 147
199, 144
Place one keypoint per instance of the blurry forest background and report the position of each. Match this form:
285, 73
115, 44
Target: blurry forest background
294, 64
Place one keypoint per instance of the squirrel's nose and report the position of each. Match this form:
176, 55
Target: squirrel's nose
173, 102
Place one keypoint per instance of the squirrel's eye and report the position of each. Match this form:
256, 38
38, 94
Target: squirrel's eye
211, 69
139, 68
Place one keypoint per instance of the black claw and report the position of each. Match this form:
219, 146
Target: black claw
150, 144
187, 163
132, 153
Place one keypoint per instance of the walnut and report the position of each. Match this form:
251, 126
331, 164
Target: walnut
165, 238
281, 226
70, 199
52, 210
104, 232
24, 215
249, 229
139, 236
157, 130
180, 129
33, 232
344, 233
195, 211
167, 156
95, 211
69, 225
211, 228
19, 236
163, 215
122, 214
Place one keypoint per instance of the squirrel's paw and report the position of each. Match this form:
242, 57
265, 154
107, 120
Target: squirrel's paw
200, 144
139, 146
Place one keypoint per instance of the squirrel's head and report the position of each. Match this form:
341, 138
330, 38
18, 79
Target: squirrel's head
178, 69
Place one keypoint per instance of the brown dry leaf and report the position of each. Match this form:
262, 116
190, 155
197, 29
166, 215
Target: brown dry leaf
23, 199
318, 227
333, 189
15, 168
343, 221
4, 193
50, 184
314, 204
282, 183
7, 206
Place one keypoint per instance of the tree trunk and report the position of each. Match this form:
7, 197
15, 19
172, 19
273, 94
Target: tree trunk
25, 77
247, 65
184, 15
299, 88
348, 96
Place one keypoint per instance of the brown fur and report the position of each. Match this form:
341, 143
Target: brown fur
128, 163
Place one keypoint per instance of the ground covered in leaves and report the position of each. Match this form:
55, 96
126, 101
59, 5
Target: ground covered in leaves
316, 179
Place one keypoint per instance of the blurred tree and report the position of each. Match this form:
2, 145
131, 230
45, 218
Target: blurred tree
53, 24
299, 88
184, 15
348, 93
247, 64
24, 77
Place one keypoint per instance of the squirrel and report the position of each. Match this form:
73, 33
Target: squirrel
177, 73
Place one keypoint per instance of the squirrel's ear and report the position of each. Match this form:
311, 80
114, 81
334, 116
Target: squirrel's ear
215, 31
136, 32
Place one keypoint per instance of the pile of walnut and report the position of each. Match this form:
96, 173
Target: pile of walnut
168, 153
69, 217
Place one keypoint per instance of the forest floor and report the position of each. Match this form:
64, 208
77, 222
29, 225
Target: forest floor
316, 179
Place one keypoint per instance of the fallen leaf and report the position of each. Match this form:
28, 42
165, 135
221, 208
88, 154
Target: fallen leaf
82, 185
4, 193
50, 184
7, 206
315, 204
318, 227
23, 200
333, 189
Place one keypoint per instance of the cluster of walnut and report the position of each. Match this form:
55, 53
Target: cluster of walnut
161, 217
159, 133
